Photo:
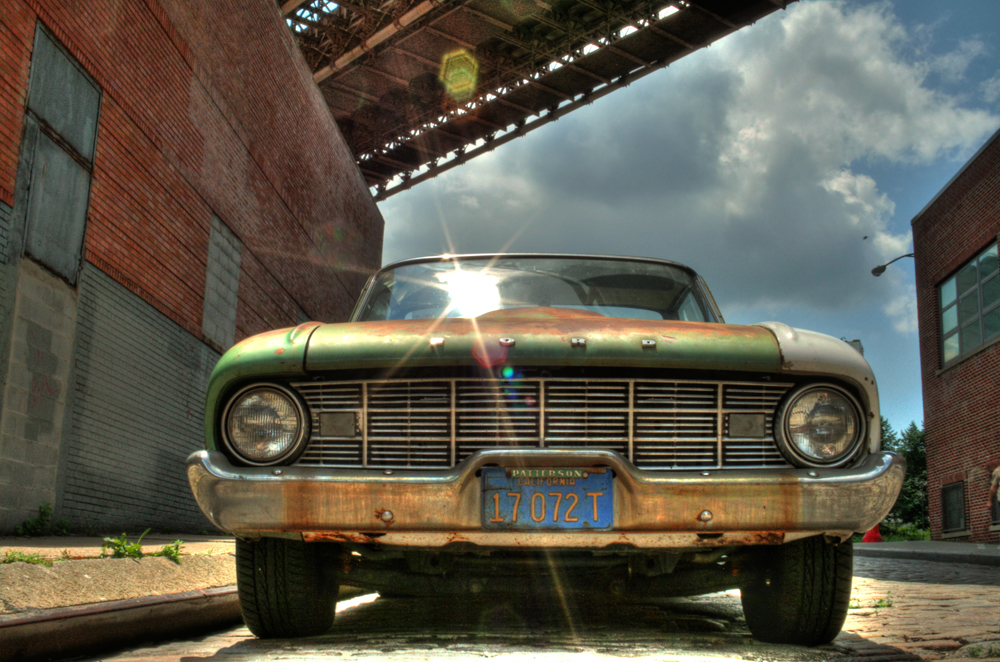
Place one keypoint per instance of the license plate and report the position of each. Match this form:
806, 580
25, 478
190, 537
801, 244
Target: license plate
554, 499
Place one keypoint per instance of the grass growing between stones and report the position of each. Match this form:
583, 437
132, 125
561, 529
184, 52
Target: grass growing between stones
21, 557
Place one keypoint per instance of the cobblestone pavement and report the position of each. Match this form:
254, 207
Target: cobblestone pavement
903, 610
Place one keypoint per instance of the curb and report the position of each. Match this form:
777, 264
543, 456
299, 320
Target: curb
90, 629
917, 555
106, 626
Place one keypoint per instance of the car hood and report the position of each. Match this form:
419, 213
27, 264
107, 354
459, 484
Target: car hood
542, 336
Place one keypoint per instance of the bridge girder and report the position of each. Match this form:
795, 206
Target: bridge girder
420, 86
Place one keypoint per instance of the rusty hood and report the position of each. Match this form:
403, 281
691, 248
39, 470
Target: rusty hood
542, 336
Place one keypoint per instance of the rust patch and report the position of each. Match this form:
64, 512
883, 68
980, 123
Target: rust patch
279, 351
340, 536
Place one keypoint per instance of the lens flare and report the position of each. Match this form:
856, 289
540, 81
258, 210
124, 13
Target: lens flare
459, 74
472, 293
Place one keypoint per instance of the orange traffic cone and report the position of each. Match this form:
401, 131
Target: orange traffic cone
874, 535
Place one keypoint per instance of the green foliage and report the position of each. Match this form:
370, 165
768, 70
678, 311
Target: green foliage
893, 531
171, 551
38, 525
21, 557
61, 528
911, 506
122, 548
883, 603
991, 651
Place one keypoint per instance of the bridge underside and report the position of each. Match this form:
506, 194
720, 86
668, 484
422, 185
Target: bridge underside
420, 86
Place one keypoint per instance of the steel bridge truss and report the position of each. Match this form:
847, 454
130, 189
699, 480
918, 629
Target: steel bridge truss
420, 86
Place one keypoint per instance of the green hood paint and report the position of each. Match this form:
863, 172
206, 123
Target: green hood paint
543, 336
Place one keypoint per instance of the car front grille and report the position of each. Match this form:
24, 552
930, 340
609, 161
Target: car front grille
437, 423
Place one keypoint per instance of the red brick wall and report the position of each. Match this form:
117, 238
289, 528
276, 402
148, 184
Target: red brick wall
17, 33
962, 403
207, 108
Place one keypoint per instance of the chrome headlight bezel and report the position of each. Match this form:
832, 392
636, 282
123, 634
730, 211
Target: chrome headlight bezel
292, 451
795, 455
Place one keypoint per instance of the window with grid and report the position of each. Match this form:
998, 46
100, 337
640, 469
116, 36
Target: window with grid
970, 307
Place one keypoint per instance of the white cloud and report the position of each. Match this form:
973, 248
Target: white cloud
902, 310
952, 66
990, 89
751, 161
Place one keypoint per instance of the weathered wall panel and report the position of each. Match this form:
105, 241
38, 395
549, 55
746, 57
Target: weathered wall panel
61, 96
137, 409
57, 209
222, 286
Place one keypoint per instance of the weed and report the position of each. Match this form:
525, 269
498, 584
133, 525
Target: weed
991, 651
884, 603
121, 548
171, 551
854, 604
90, 531
38, 525
21, 557
61, 528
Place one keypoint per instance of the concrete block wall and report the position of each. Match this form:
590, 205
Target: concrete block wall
136, 414
962, 402
34, 397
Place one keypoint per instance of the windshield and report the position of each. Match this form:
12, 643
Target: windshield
473, 287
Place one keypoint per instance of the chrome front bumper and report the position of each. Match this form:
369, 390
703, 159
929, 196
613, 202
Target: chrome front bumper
652, 509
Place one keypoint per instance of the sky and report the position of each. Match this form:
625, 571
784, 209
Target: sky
782, 163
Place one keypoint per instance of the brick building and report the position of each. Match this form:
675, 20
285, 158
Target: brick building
958, 302
171, 181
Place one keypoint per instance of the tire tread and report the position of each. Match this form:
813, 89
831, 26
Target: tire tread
807, 598
282, 589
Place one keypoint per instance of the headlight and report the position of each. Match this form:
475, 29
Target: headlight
821, 426
264, 425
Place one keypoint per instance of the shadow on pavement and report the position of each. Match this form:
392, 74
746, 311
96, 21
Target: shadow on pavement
709, 627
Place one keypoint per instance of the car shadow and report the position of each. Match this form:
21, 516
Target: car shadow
572, 626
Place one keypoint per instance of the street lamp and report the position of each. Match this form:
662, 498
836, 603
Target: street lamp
880, 269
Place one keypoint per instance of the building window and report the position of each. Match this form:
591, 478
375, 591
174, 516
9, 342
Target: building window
970, 307
953, 507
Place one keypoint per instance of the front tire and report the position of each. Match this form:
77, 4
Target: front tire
801, 592
285, 588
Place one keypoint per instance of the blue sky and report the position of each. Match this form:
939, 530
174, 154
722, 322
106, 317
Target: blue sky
763, 162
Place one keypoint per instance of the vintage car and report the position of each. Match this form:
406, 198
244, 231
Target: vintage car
532, 423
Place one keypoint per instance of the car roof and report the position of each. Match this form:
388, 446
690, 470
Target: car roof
447, 257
